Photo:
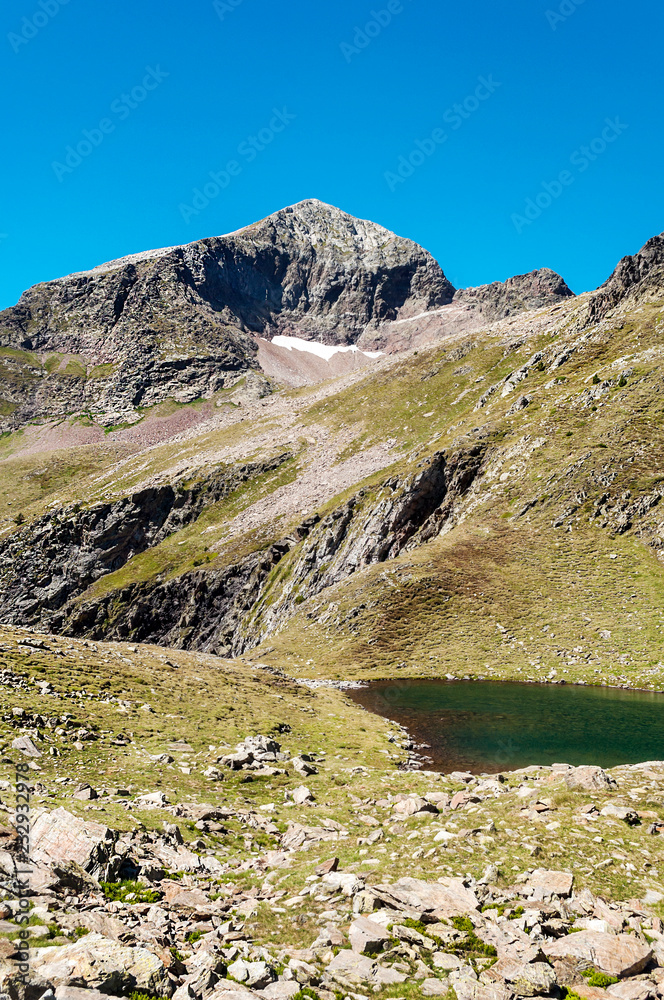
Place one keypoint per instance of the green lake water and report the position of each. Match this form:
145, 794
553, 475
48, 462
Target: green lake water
485, 726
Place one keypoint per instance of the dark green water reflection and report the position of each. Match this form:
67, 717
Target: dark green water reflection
485, 726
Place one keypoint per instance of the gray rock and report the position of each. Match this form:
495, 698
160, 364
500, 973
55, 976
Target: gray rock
59, 838
413, 804
526, 979
26, 746
366, 936
434, 988
448, 897
99, 963
303, 767
624, 813
303, 796
253, 974
589, 778
614, 954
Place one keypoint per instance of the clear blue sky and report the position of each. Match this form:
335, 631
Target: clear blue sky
356, 110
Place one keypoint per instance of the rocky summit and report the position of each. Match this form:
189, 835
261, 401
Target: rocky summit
242, 477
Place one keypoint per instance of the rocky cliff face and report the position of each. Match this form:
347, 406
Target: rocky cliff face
225, 610
180, 322
57, 557
525, 291
471, 310
640, 275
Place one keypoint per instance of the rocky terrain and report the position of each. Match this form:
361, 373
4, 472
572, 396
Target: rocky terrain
198, 555
168, 861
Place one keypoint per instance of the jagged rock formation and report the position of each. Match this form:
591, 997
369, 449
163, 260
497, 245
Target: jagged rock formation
471, 310
525, 291
219, 610
179, 322
640, 275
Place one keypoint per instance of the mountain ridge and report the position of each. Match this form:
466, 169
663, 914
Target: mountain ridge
182, 322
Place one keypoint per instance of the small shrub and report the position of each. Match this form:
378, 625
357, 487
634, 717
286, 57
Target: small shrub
192, 936
117, 892
599, 979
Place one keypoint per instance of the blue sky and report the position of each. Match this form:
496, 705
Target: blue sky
300, 104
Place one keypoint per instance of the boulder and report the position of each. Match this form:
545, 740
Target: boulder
303, 796
366, 936
634, 989
413, 804
434, 988
302, 972
58, 838
26, 746
303, 767
447, 963
328, 866
614, 954
98, 923
253, 974
182, 898
546, 883
152, 800
467, 989
236, 761
624, 813
349, 967
301, 836
97, 962
526, 979
589, 778
77, 993
227, 989
344, 882
281, 990
85, 793
448, 897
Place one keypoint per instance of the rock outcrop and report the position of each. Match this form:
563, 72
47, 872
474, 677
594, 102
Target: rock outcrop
640, 275
57, 557
498, 300
232, 609
181, 322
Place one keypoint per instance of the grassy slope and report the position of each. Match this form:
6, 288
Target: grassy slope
210, 703
554, 589
557, 591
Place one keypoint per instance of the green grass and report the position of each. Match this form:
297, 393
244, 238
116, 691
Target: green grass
190, 547
129, 891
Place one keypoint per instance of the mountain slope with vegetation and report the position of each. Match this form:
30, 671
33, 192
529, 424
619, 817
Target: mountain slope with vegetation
187, 593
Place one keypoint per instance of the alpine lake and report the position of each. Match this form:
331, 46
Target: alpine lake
487, 727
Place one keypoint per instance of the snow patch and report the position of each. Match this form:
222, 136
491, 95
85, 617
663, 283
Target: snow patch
324, 351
